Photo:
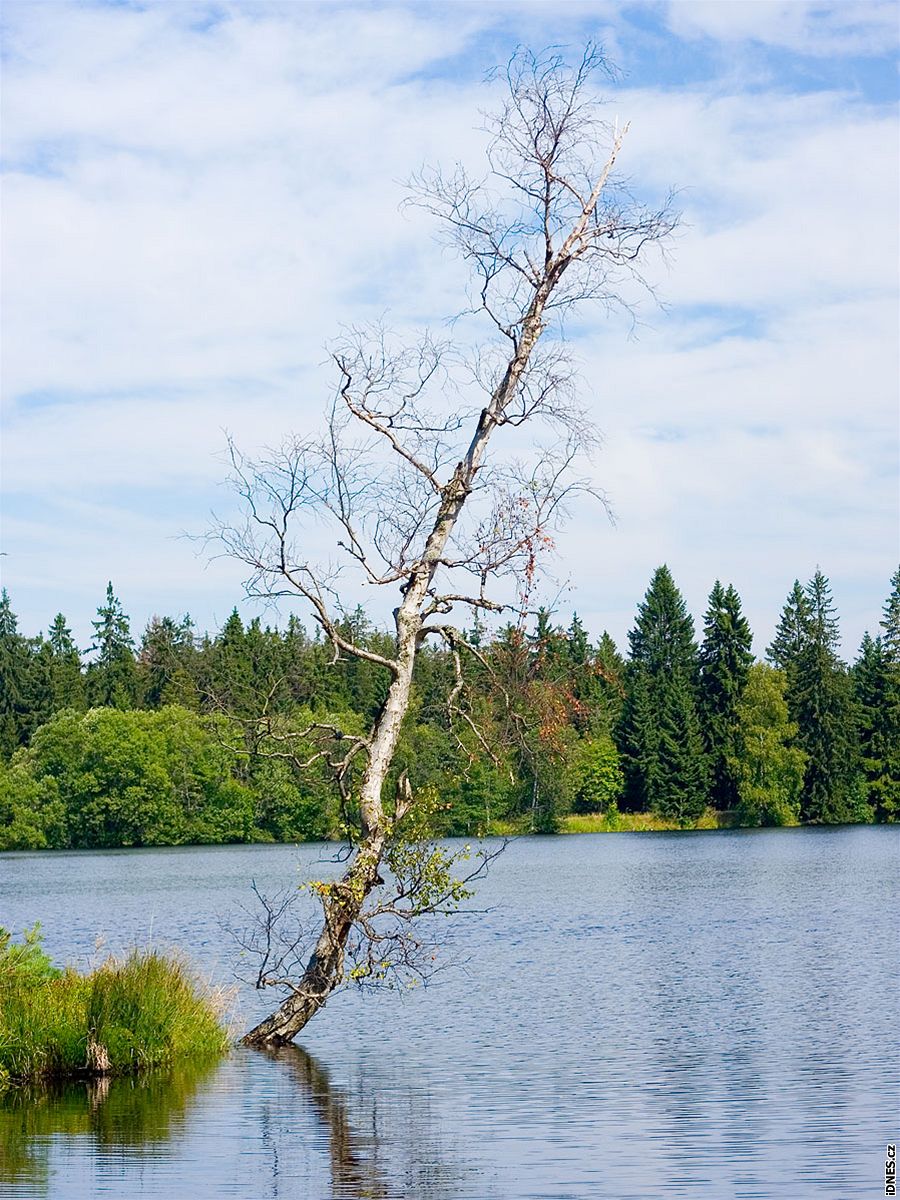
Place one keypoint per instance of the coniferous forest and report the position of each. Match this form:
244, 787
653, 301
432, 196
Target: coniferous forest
180, 738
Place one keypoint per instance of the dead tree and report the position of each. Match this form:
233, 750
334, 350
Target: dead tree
403, 471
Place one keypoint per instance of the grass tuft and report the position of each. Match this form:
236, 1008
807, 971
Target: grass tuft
130, 1014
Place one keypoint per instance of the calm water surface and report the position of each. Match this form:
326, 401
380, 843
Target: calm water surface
699, 1016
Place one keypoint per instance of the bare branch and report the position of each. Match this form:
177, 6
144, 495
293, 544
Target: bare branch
273, 942
416, 488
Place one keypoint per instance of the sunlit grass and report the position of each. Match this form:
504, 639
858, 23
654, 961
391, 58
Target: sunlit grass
130, 1014
639, 822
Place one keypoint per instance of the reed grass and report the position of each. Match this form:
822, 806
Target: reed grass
641, 822
133, 1013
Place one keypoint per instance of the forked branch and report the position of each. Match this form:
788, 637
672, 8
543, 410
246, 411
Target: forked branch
420, 494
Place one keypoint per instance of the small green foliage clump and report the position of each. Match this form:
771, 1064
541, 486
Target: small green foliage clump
426, 873
24, 962
128, 1015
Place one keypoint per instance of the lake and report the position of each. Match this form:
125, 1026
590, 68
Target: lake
695, 1015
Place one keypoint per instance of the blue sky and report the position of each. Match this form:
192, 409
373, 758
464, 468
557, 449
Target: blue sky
197, 196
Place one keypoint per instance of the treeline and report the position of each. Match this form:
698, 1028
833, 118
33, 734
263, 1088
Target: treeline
183, 739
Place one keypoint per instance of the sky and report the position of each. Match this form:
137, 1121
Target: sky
198, 196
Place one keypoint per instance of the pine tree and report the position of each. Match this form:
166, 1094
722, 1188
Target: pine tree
112, 677
66, 677
166, 663
820, 701
876, 681
16, 682
725, 659
659, 733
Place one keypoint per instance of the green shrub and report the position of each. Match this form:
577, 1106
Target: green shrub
25, 962
596, 775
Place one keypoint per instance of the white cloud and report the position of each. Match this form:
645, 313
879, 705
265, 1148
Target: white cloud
863, 27
193, 259
195, 212
787, 199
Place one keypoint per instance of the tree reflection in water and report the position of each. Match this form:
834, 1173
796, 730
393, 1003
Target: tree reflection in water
355, 1172
263, 1123
129, 1112
384, 1141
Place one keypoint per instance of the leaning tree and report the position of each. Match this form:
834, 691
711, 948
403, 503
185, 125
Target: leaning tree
431, 490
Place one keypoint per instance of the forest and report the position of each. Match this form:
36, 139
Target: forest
181, 738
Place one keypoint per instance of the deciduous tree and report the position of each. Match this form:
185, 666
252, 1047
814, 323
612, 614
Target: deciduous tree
423, 496
764, 760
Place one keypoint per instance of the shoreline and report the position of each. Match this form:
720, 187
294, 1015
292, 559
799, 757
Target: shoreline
572, 824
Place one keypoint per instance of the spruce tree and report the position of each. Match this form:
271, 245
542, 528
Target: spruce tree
876, 678
592, 675
792, 634
112, 677
820, 702
15, 680
66, 677
725, 659
890, 622
609, 668
637, 739
682, 773
659, 732
877, 713
578, 645
610, 664
228, 682
365, 684
167, 663
296, 662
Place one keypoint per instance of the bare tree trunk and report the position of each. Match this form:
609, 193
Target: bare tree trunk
325, 968
566, 230
343, 904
